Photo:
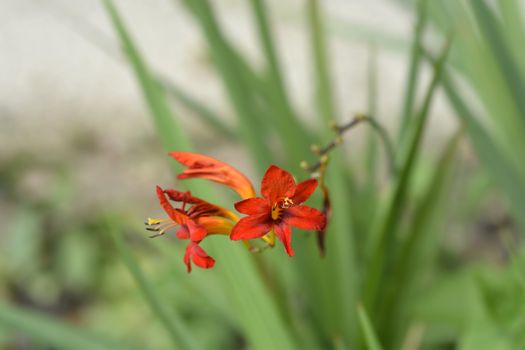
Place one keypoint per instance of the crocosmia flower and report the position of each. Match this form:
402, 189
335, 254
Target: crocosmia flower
279, 208
274, 214
195, 223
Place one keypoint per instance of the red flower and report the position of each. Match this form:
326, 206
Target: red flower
195, 223
279, 209
205, 167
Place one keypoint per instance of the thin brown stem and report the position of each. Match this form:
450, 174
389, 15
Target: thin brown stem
322, 152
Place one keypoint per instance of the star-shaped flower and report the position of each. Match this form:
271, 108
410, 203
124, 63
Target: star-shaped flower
279, 209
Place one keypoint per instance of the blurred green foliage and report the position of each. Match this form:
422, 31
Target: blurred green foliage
390, 279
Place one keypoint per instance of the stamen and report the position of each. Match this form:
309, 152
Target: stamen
155, 221
287, 203
276, 212
164, 229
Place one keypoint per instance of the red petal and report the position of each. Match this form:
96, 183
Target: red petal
284, 233
252, 226
179, 196
200, 166
204, 208
174, 214
304, 190
276, 184
201, 207
305, 218
183, 233
252, 206
197, 232
200, 257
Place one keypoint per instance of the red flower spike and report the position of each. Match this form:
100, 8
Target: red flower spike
205, 167
279, 209
199, 257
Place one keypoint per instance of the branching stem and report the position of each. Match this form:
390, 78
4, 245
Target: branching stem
340, 130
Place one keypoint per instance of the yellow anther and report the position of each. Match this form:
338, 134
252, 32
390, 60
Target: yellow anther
154, 221
276, 212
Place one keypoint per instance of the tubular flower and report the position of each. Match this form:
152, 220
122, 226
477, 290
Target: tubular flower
200, 166
278, 209
195, 223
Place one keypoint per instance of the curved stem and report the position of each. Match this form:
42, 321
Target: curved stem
340, 130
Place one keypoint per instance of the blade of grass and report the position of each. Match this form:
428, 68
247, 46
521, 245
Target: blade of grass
484, 74
371, 143
366, 204
509, 178
171, 134
341, 268
404, 272
371, 339
180, 336
385, 230
256, 311
284, 116
514, 29
227, 62
413, 70
52, 332
491, 29
323, 87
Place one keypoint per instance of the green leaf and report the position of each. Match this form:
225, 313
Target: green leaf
384, 233
340, 274
491, 29
283, 116
509, 178
407, 268
371, 340
52, 332
413, 70
178, 332
171, 134
235, 74
323, 87
371, 145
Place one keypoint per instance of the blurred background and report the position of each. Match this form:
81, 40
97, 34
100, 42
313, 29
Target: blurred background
95, 93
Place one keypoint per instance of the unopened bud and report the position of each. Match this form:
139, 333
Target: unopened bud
315, 149
304, 165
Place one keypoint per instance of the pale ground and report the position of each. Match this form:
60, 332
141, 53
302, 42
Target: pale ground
57, 84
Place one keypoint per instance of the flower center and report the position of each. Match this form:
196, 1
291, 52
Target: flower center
278, 207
